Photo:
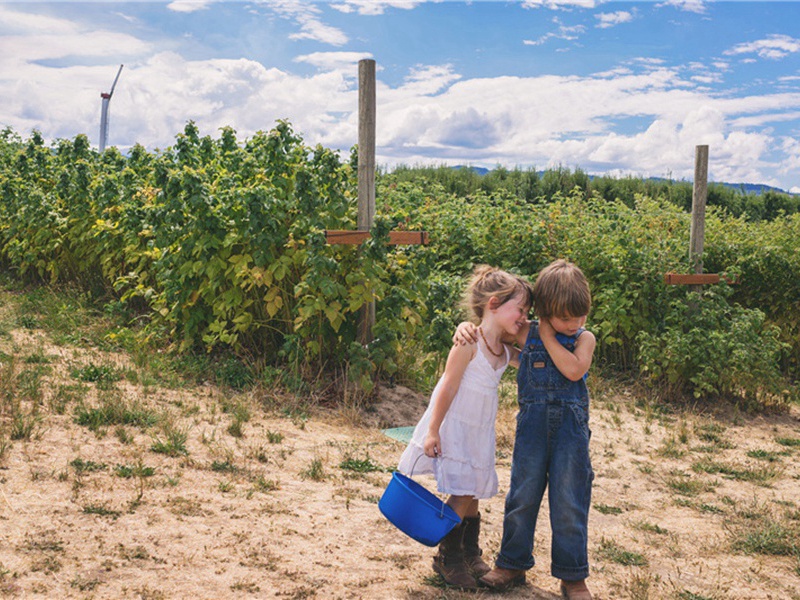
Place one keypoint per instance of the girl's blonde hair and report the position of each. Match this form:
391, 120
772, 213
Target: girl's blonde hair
561, 290
490, 282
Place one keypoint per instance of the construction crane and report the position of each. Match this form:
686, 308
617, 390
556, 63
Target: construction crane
106, 96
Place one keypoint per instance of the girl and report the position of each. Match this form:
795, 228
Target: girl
458, 426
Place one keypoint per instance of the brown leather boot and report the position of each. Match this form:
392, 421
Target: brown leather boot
501, 579
449, 562
575, 590
472, 550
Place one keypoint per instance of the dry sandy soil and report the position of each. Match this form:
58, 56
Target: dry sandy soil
267, 500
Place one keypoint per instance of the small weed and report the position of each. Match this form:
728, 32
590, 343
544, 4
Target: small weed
105, 376
760, 475
613, 552
315, 471
274, 437
764, 455
100, 509
260, 484
365, 465
671, 449
649, 527
787, 441
687, 595
688, 487
172, 442
605, 509
137, 470
710, 508
768, 536
86, 466
115, 411
24, 424
223, 467
245, 586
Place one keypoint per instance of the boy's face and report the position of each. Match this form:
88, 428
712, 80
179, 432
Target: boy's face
567, 325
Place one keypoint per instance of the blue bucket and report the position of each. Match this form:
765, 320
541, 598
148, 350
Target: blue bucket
415, 511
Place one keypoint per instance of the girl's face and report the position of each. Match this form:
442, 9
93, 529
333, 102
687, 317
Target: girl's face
567, 325
513, 314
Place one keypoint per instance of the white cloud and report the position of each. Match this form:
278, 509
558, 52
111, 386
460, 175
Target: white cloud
374, 7
188, 6
433, 116
773, 47
307, 17
559, 4
695, 6
564, 32
331, 61
612, 19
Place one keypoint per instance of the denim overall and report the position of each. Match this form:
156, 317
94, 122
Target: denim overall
551, 448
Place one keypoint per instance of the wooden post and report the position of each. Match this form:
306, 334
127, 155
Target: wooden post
366, 173
699, 197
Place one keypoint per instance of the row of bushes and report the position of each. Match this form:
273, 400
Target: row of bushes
219, 245
531, 185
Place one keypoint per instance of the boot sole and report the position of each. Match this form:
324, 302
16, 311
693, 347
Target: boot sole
506, 585
456, 586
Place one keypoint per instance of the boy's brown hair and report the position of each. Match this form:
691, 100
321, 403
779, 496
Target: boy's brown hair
561, 290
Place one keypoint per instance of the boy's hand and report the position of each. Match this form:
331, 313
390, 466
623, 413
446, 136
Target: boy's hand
466, 334
546, 329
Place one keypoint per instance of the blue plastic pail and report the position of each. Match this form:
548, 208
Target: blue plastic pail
415, 511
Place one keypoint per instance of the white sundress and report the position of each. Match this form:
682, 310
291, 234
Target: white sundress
466, 466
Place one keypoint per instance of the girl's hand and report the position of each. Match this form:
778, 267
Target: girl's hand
466, 334
432, 445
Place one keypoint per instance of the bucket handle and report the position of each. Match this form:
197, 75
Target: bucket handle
435, 466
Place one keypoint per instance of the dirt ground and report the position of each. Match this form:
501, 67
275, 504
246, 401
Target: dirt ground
251, 498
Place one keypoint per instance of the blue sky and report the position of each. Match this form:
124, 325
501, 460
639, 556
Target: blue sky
627, 88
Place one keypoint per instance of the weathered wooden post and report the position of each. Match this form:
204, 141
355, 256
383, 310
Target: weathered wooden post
699, 197
366, 189
696, 280
366, 173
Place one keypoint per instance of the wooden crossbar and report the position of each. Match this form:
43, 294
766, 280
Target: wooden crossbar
349, 236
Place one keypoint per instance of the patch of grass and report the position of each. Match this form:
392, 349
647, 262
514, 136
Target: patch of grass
764, 455
261, 484
687, 595
649, 527
172, 441
605, 509
315, 471
759, 475
137, 470
361, 465
688, 487
86, 466
710, 508
101, 510
66, 395
768, 536
788, 441
274, 437
224, 467
115, 411
105, 376
670, 449
611, 551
